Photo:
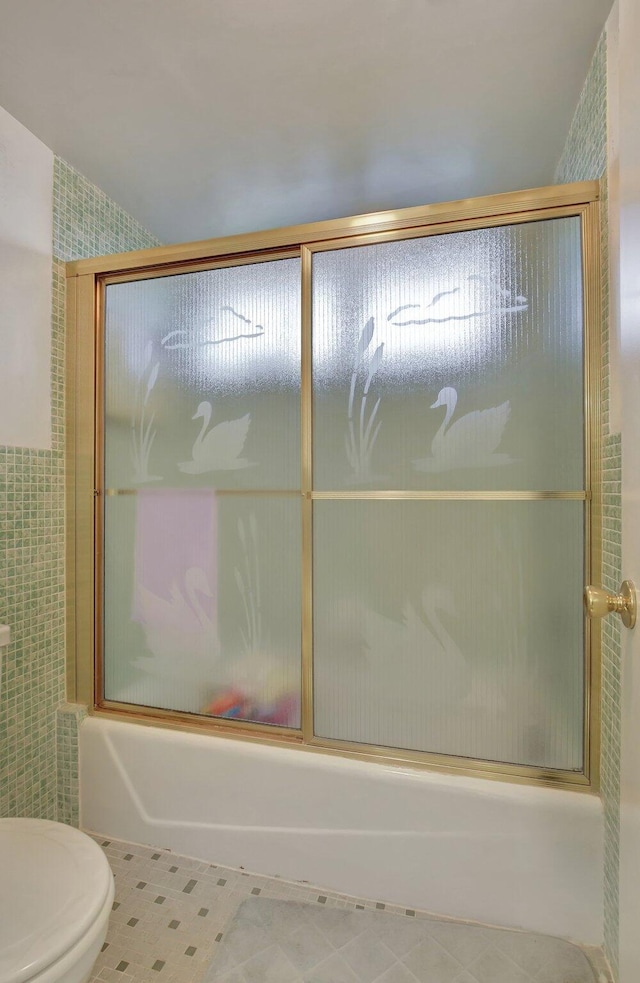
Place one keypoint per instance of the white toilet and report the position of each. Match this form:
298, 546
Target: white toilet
56, 893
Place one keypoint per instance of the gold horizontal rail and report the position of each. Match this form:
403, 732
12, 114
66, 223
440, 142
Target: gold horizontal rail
206, 264
442, 228
380, 494
446, 495
253, 492
402, 218
274, 736
215, 725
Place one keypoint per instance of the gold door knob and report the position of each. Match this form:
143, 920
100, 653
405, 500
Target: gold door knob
600, 602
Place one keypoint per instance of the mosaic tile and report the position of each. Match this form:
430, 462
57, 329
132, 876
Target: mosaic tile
38, 731
585, 158
178, 944
89, 223
32, 602
68, 719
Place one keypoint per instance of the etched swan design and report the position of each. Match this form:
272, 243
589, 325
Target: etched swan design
219, 449
470, 442
170, 623
183, 644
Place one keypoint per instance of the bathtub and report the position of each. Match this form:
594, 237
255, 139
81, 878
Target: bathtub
503, 854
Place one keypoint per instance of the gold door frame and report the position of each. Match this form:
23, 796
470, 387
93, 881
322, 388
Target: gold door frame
86, 282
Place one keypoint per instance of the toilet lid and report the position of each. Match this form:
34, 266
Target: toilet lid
54, 882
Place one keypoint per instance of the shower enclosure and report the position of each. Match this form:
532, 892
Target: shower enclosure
338, 485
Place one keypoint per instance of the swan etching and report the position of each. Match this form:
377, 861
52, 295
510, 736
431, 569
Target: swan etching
219, 449
180, 623
412, 669
470, 442
182, 638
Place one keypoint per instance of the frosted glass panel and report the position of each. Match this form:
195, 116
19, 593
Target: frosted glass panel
202, 603
452, 627
451, 361
203, 379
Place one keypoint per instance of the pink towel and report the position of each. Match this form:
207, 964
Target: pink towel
176, 548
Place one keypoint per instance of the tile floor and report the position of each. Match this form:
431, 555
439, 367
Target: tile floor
171, 913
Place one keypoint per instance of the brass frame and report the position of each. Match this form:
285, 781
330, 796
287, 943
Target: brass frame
86, 283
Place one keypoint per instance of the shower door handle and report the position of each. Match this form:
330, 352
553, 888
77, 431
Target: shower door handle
599, 602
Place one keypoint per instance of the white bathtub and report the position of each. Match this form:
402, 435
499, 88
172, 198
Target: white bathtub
504, 854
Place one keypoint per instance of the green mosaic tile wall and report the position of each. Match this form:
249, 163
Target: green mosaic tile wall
32, 603
584, 158
37, 742
69, 718
88, 223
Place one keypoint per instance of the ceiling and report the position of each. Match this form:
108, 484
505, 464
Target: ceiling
209, 117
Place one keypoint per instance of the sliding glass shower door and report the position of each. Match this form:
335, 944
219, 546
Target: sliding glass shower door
449, 493
346, 493
202, 504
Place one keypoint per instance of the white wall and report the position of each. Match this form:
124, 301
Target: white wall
26, 189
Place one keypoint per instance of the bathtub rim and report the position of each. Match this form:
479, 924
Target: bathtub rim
419, 761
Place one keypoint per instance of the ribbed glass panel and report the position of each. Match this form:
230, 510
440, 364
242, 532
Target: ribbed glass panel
451, 361
203, 379
202, 392
202, 603
452, 627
